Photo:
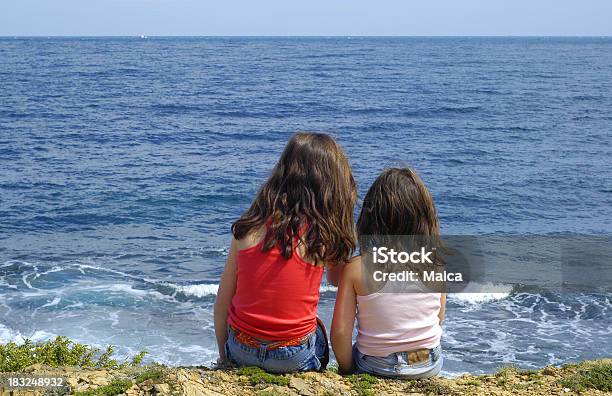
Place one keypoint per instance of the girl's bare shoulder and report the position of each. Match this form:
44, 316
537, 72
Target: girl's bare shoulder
352, 271
354, 265
253, 238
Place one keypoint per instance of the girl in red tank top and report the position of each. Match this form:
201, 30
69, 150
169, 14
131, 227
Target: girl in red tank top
300, 222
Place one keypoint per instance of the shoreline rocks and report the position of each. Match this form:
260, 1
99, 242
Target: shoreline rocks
586, 378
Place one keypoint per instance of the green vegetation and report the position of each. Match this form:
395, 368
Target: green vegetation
119, 375
529, 374
60, 352
255, 376
504, 374
429, 387
589, 375
549, 370
362, 383
502, 381
116, 387
153, 373
521, 386
473, 382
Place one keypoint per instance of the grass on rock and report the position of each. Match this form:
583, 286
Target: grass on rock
589, 375
60, 352
255, 376
362, 383
122, 375
116, 387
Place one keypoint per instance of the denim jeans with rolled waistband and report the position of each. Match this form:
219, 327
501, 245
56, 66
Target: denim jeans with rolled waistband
305, 357
396, 365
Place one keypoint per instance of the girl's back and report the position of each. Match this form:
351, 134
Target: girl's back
276, 298
397, 322
398, 333
300, 221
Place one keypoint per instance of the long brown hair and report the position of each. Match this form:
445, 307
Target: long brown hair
398, 203
310, 195
399, 212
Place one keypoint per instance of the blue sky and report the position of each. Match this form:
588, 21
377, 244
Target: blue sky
306, 17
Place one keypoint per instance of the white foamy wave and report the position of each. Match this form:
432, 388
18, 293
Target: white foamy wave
10, 335
328, 288
201, 290
83, 267
4, 283
477, 293
123, 288
126, 289
56, 300
208, 289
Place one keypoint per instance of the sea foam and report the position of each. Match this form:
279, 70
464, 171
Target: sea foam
477, 293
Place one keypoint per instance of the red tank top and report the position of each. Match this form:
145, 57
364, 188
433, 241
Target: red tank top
276, 298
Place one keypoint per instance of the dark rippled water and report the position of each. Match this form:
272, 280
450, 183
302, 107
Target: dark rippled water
123, 162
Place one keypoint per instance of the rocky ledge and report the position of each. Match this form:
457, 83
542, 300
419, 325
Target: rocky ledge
586, 378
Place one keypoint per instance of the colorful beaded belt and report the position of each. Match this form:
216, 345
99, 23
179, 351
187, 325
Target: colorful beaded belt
250, 341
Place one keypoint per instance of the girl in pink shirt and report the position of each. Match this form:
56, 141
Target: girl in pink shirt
398, 330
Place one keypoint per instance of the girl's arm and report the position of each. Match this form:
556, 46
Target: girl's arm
344, 320
333, 274
227, 288
442, 307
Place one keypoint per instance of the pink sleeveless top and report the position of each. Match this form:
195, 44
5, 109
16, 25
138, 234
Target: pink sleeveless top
397, 322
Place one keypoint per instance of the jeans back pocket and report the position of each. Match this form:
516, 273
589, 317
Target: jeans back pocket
286, 352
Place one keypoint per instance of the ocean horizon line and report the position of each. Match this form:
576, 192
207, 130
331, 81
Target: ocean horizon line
2, 36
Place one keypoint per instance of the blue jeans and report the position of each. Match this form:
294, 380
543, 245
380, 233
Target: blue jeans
305, 357
396, 364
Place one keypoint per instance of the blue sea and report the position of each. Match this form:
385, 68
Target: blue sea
124, 161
